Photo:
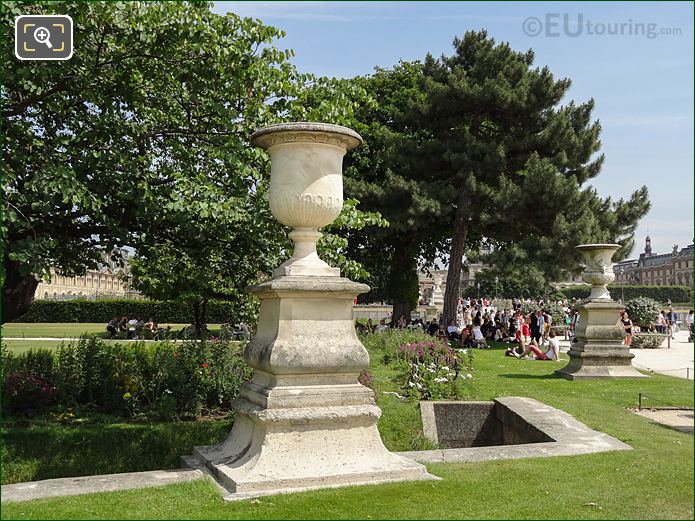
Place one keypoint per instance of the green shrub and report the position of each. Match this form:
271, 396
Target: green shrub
658, 293
643, 312
427, 368
104, 310
647, 341
160, 380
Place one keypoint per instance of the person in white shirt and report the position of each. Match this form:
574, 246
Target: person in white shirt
552, 353
453, 331
478, 338
381, 327
689, 322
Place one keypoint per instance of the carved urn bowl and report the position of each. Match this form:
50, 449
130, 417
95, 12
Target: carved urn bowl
598, 270
306, 185
306, 176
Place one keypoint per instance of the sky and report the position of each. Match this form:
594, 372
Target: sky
635, 59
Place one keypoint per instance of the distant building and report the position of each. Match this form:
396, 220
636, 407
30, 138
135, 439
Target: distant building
103, 282
650, 269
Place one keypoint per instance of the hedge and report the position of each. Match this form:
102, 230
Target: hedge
659, 293
104, 310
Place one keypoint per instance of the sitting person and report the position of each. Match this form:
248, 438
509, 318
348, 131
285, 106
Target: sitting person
478, 338
112, 326
453, 331
369, 328
382, 326
433, 328
552, 353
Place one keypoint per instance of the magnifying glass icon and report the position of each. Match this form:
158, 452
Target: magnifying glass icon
43, 35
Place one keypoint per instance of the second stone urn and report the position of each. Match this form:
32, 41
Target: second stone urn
599, 351
304, 421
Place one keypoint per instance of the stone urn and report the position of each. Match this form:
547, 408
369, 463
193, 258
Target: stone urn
306, 185
304, 421
598, 350
598, 270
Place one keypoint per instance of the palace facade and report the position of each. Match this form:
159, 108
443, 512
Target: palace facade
651, 269
104, 282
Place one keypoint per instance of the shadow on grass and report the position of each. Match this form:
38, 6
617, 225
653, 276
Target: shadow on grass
551, 376
46, 452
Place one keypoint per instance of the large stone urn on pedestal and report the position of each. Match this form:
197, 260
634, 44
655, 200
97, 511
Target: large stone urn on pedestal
303, 420
599, 352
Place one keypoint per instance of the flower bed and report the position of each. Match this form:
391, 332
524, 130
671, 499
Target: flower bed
160, 381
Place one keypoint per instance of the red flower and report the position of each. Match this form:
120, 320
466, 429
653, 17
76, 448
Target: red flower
203, 365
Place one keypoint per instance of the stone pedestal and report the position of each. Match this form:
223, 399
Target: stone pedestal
600, 352
304, 421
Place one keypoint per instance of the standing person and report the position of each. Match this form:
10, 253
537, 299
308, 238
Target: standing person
689, 323
672, 320
627, 325
540, 320
661, 322
112, 326
533, 325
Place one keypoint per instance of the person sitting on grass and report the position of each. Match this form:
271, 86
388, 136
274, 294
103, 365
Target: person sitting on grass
453, 331
552, 353
382, 326
479, 338
112, 326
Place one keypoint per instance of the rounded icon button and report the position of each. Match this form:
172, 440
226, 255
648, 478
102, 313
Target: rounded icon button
532, 26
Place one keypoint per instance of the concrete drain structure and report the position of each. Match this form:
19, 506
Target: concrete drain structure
506, 428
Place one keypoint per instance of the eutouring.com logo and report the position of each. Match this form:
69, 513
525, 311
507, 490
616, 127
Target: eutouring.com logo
556, 25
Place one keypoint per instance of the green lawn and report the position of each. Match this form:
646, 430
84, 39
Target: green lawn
66, 330
655, 480
20, 346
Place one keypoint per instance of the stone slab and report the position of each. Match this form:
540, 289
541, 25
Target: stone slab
90, 484
679, 419
568, 436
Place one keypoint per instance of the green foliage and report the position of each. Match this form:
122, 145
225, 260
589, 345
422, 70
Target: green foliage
643, 312
426, 368
659, 293
182, 89
104, 310
647, 342
159, 380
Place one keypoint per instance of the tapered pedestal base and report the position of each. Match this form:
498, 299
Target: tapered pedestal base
600, 352
304, 421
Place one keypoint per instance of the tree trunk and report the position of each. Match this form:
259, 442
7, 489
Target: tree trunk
403, 286
203, 315
453, 276
196, 317
17, 292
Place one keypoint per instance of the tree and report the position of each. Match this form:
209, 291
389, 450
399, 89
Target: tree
141, 139
491, 128
387, 181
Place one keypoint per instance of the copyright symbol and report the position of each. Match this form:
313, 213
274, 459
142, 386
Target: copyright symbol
532, 26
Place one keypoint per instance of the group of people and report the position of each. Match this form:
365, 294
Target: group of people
135, 328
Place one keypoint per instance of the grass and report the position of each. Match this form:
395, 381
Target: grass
21, 346
104, 446
655, 480
66, 330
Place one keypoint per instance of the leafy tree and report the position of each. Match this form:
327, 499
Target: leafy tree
490, 129
141, 139
386, 180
